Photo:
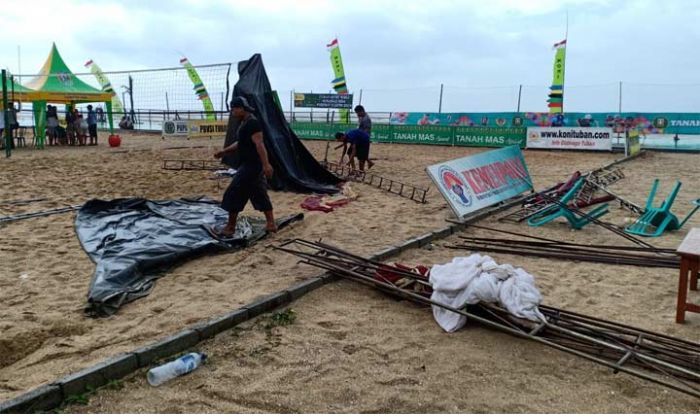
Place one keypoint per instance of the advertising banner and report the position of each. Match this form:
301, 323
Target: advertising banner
206, 128
489, 137
315, 130
194, 128
598, 139
322, 100
646, 123
432, 134
175, 129
477, 181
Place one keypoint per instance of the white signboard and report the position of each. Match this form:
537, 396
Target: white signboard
176, 128
576, 138
481, 180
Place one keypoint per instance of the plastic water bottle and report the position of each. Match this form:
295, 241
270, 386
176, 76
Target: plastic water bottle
181, 366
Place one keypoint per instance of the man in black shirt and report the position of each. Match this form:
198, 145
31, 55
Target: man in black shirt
249, 181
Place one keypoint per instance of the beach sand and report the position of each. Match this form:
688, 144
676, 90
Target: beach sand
350, 349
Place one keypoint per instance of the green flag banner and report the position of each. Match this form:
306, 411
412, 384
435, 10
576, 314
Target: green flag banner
556, 91
106, 85
339, 83
199, 88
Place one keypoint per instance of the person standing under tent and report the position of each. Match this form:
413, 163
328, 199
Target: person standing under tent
52, 124
359, 146
248, 183
92, 125
365, 125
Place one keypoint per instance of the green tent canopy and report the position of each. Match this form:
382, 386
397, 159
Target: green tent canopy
55, 83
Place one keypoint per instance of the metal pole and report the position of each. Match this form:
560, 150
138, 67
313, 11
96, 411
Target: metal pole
6, 116
619, 106
360, 102
291, 105
440, 105
131, 99
520, 94
167, 102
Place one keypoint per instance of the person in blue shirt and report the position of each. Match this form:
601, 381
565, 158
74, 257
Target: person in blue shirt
358, 141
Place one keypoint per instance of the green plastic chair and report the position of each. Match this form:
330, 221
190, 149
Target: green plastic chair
656, 220
557, 210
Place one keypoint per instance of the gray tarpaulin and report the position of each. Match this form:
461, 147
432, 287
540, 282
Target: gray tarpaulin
132, 241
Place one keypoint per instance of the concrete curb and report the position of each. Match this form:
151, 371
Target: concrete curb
51, 396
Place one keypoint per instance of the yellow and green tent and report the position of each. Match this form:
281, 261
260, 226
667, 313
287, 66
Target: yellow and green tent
55, 83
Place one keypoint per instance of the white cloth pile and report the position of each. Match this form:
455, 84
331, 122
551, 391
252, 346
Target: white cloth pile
477, 278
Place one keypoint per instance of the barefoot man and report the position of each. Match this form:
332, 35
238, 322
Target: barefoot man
249, 181
359, 147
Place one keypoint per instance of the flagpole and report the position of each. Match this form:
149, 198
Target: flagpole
563, 76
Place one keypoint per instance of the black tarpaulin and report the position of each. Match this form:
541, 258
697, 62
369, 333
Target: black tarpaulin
295, 168
132, 241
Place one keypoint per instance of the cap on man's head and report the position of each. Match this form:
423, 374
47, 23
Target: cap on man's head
359, 108
241, 102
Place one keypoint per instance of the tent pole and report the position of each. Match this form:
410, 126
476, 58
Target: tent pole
6, 116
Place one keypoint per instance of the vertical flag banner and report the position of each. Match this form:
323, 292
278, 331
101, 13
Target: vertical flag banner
556, 91
339, 84
106, 85
199, 88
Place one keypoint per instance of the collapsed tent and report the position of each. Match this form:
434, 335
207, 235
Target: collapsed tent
295, 168
132, 241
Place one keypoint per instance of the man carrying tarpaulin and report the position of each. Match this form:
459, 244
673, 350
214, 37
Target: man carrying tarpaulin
249, 181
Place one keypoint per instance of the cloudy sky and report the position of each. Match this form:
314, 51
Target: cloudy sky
397, 52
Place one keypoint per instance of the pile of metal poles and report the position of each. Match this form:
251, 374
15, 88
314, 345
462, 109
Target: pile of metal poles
556, 249
664, 360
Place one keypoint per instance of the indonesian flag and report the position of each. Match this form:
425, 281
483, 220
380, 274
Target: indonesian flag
333, 44
560, 44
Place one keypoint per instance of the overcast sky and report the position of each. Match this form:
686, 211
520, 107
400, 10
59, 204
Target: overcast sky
398, 52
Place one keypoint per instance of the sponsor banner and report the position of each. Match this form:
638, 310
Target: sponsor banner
477, 181
322, 100
646, 123
431, 134
175, 129
489, 137
206, 128
311, 130
193, 128
576, 138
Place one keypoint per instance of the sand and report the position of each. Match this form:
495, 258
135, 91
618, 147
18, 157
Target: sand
350, 349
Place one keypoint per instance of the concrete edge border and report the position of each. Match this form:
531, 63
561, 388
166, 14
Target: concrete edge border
50, 396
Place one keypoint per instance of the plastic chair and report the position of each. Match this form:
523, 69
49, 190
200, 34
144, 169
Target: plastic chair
556, 211
656, 220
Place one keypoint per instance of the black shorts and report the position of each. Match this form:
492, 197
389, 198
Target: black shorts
246, 187
362, 151
93, 130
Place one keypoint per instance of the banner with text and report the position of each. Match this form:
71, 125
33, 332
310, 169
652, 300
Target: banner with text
193, 128
481, 180
323, 100
599, 139
430, 134
647, 123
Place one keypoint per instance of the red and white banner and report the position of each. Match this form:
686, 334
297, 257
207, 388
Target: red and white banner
572, 138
